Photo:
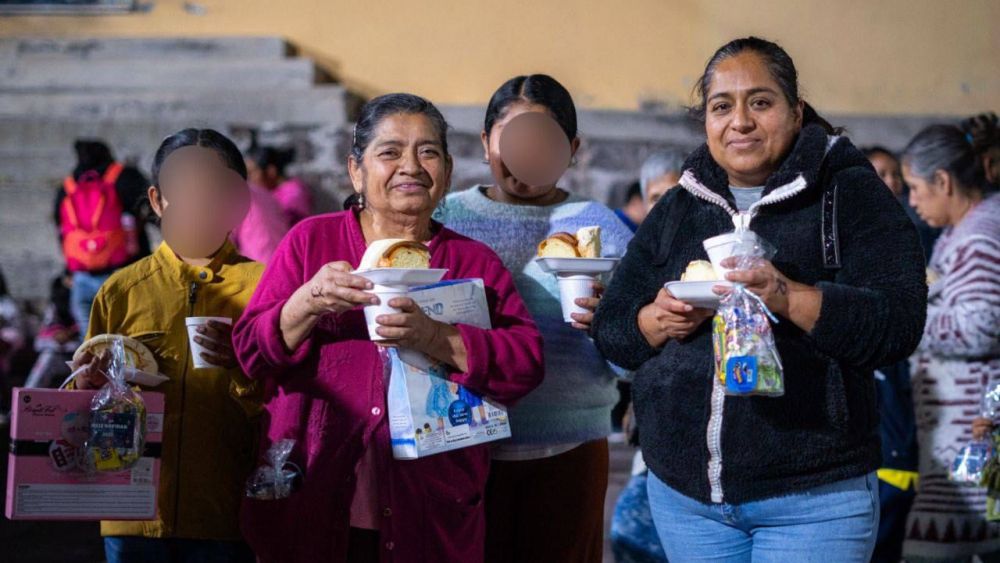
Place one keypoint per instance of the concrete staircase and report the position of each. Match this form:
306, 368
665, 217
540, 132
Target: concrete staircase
133, 93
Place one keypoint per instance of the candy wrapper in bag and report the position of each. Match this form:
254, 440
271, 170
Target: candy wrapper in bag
746, 359
970, 462
278, 478
117, 434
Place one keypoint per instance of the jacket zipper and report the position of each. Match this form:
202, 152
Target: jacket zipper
741, 220
714, 438
192, 299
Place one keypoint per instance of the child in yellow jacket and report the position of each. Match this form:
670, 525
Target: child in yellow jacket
200, 193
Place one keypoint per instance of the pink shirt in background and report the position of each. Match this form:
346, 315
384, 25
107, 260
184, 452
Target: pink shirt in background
329, 395
262, 229
295, 199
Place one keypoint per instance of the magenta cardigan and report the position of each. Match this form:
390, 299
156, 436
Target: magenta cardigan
330, 396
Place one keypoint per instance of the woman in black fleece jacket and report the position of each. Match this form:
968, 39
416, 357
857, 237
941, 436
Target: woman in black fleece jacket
847, 284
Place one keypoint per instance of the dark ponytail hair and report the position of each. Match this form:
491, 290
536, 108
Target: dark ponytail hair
539, 89
779, 65
207, 138
377, 109
91, 155
272, 156
949, 149
983, 131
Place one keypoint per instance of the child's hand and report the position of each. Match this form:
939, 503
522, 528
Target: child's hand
95, 367
582, 321
217, 339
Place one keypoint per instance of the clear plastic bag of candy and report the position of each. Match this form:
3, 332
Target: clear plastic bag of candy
117, 435
278, 477
976, 462
746, 358
970, 461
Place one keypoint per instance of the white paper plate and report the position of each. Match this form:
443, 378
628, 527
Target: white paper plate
402, 276
577, 265
133, 375
696, 293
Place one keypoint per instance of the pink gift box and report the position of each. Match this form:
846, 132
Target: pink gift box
43, 480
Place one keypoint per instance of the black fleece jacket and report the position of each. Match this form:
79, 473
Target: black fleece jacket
824, 428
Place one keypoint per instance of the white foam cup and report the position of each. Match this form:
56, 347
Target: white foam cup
724, 246
385, 294
196, 349
572, 287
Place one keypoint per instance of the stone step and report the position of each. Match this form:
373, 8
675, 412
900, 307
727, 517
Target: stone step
29, 253
319, 104
285, 75
153, 49
39, 136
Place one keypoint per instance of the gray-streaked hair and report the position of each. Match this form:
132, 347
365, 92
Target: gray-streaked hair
949, 149
658, 164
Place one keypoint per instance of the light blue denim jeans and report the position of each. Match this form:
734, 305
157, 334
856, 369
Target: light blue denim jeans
81, 297
835, 522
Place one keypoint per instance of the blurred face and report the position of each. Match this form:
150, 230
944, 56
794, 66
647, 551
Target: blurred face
930, 199
750, 125
887, 169
660, 186
255, 175
199, 201
264, 177
515, 190
404, 169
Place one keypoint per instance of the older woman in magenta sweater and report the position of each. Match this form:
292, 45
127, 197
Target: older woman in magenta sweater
305, 337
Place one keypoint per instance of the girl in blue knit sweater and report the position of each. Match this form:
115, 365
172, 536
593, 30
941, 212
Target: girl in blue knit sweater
545, 496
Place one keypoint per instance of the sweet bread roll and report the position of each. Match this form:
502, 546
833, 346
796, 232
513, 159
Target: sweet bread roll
588, 242
139, 356
559, 245
396, 253
699, 270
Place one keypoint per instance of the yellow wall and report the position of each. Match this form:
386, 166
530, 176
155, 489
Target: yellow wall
854, 56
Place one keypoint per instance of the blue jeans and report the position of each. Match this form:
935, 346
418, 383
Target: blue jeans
81, 297
135, 549
835, 522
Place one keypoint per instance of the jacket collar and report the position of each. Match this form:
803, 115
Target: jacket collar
181, 270
804, 160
